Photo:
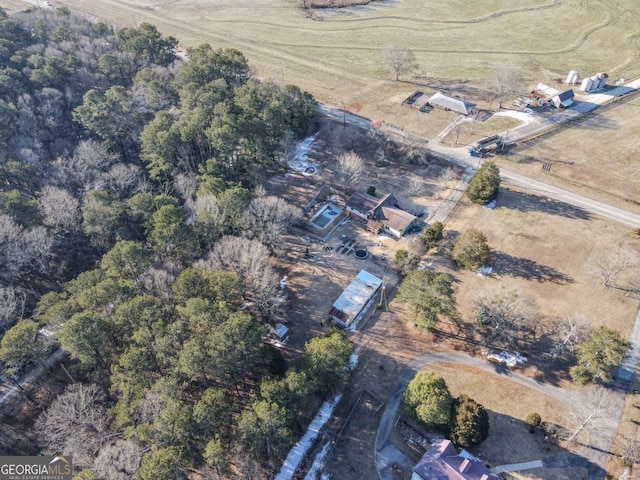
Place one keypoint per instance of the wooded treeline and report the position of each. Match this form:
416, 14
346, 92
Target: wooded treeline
134, 228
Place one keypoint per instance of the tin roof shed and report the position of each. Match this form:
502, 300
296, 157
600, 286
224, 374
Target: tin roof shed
453, 104
354, 298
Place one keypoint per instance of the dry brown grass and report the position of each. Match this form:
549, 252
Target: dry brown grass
337, 55
547, 249
596, 155
508, 404
340, 52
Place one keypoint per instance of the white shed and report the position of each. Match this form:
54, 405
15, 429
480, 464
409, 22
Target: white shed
355, 299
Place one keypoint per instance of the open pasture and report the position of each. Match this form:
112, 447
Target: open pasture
337, 53
595, 156
547, 250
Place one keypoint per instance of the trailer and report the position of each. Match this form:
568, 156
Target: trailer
485, 144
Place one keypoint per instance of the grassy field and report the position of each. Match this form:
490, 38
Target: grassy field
596, 156
547, 250
337, 53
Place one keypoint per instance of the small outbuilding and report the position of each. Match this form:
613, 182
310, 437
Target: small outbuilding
278, 334
355, 300
452, 104
563, 99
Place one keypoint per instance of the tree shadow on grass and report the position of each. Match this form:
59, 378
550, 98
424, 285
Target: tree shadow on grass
508, 265
529, 202
548, 370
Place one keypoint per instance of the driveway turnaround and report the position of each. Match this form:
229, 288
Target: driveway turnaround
387, 455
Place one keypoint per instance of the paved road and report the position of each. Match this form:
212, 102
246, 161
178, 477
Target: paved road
539, 124
594, 459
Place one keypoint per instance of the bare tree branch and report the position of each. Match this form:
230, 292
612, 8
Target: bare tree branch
589, 412
75, 423
568, 333
350, 167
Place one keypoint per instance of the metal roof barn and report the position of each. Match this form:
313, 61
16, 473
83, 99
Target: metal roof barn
354, 298
453, 104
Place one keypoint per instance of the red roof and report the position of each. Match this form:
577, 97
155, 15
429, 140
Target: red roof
442, 462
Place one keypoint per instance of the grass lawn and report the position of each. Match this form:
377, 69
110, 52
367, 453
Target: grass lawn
597, 153
548, 250
337, 52
509, 439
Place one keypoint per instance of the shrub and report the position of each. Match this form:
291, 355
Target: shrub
427, 399
485, 184
469, 424
533, 420
371, 190
471, 250
432, 235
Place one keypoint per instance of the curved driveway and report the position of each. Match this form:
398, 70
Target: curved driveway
594, 459
386, 454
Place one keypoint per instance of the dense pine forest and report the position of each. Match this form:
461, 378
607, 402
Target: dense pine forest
136, 237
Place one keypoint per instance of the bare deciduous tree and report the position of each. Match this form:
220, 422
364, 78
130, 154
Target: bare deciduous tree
414, 152
446, 175
250, 259
22, 250
12, 304
268, 219
90, 158
610, 268
416, 187
504, 82
75, 423
186, 184
507, 316
119, 460
123, 180
619, 270
150, 407
568, 333
60, 210
399, 60
589, 412
158, 280
350, 168
288, 147
628, 448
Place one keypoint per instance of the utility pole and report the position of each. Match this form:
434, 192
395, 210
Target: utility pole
619, 83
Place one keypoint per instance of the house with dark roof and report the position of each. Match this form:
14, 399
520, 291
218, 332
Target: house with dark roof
563, 99
442, 462
453, 104
380, 214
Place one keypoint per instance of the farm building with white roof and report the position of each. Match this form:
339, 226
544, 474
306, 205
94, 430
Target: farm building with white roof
355, 299
450, 103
